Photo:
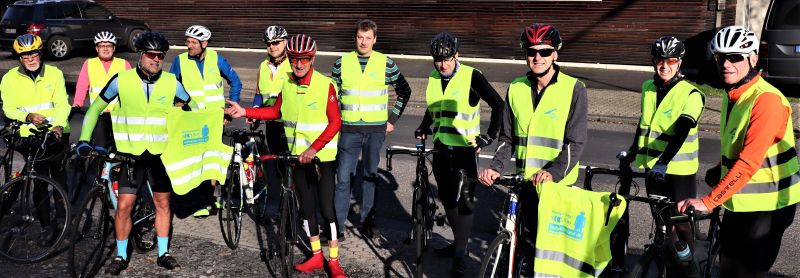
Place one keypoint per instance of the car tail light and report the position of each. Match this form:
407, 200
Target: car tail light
35, 29
763, 50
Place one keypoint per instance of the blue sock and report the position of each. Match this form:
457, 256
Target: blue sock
122, 249
162, 245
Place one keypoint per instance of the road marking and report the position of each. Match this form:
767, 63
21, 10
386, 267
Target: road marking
485, 156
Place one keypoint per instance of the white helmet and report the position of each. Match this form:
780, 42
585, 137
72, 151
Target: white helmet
734, 39
275, 33
198, 32
105, 36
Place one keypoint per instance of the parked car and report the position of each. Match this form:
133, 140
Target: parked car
65, 25
779, 54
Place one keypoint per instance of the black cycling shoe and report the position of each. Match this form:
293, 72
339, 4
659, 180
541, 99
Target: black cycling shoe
457, 271
447, 251
116, 266
168, 262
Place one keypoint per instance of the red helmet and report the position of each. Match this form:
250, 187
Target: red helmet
540, 34
301, 45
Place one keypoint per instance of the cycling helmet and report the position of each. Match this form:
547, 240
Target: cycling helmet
198, 32
275, 33
540, 34
149, 41
105, 36
734, 39
667, 47
444, 45
301, 45
27, 43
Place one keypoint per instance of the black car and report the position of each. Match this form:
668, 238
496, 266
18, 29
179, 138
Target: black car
779, 55
65, 25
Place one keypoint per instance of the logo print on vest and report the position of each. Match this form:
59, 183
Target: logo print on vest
373, 75
312, 106
195, 136
566, 224
552, 114
668, 113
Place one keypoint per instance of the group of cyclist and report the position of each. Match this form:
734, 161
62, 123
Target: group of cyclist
542, 124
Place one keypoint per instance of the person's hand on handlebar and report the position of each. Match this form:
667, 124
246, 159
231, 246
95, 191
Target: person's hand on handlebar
422, 133
307, 156
541, 177
83, 149
488, 176
236, 111
36, 119
658, 173
59, 131
696, 203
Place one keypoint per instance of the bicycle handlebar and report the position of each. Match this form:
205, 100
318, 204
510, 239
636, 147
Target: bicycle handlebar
287, 158
420, 151
113, 157
591, 171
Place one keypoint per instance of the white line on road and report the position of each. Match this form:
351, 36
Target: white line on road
480, 155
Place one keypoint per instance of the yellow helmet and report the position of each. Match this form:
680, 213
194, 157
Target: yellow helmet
27, 43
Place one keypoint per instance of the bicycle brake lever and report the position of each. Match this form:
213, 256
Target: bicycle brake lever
388, 160
613, 202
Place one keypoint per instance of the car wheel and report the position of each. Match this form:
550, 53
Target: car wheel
132, 39
59, 47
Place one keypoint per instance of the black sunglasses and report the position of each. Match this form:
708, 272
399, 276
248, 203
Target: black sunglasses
733, 58
154, 55
546, 52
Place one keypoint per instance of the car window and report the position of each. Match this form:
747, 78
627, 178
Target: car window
93, 11
71, 11
53, 12
785, 15
18, 13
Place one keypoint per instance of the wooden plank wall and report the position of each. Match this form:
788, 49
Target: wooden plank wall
610, 31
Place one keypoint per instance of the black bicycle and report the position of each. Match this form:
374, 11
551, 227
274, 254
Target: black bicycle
502, 258
34, 209
423, 210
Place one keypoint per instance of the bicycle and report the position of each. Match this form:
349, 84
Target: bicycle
659, 251
423, 209
7, 159
92, 243
501, 256
244, 174
30, 198
288, 218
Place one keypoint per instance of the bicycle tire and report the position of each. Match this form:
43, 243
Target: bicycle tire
496, 261
420, 220
650, 265
56, 200
91, 234
143, 230
230, 218
287, 234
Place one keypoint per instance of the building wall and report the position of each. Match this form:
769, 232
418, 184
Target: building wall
610, 31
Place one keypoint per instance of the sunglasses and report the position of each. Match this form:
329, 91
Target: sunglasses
733, 58
668, 61
154, 55
448, 59
545, 52
274, 42
304, 61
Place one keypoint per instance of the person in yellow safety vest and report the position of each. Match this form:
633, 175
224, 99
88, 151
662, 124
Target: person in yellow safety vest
139, 125
201, 71
363, 76
760, 184
544, 126
34, 92
309, 109
453, 96
94, 75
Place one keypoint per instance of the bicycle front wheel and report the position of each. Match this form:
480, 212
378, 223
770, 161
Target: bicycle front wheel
420, 238
496, 261
287, 234
91, 233
650, 265
144, 221
230, 218
34, 216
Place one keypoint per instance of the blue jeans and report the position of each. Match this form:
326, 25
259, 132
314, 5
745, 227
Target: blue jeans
350, 146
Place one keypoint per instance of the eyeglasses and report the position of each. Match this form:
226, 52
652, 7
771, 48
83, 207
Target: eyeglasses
545, 52
109, 46
30, 56
668, 61
271, 43
154, 55
733, 58
304, 61
448, 59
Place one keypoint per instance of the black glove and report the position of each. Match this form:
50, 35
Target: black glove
83, 149
422, 130
482, 140
713, 176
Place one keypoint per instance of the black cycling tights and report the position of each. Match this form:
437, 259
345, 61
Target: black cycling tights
446, 164
316, 189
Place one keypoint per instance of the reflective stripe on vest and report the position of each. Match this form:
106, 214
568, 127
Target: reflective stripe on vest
657, 125
37, 96
303, 110
454, 120
540, 133
364, 95
269, 86
140, 124
776, 184
206, 90
195, 151
99, 77
573, 238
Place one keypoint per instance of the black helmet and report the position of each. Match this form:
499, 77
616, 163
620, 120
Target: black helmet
444, 45
148, 41
667, 47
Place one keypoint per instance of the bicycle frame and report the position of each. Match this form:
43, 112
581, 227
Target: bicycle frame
509, 223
